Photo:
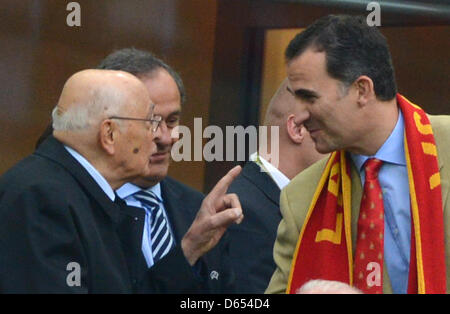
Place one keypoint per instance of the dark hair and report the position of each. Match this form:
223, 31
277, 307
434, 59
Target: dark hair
140, 63
352, 49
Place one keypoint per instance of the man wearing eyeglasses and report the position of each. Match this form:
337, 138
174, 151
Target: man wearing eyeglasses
58, 218
62, 226
173, 252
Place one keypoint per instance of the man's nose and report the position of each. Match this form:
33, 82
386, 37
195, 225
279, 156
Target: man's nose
306, 115
162, 134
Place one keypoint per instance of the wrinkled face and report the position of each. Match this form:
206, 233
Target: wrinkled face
135, 144
334, 121
164, 93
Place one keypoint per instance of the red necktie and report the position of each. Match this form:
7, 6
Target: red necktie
368, 260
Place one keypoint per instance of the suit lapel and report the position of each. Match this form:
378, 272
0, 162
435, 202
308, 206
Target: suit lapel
262, 181
173, 205
130, 230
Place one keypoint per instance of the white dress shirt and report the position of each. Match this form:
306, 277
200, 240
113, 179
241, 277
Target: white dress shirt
280, 179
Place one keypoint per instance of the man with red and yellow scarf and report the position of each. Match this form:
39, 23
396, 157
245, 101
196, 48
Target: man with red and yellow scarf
373, 214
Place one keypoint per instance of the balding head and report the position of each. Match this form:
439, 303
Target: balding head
281, 105
292, 139
287, 114
89, 96
93, 117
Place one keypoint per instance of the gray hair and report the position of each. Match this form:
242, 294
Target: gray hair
319, 286
103, 102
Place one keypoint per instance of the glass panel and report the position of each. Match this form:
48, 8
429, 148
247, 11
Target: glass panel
274, 70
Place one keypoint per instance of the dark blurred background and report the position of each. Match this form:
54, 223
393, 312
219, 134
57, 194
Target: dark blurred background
228, 52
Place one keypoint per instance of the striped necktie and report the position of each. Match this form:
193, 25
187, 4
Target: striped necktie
156, 224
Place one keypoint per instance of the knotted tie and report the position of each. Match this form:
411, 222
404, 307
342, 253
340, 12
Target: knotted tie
156, 224
368, 261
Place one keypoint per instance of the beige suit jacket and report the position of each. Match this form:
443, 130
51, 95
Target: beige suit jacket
297, 196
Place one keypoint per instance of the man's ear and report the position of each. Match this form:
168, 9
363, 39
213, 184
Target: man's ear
365, 90
108, 136
295, 129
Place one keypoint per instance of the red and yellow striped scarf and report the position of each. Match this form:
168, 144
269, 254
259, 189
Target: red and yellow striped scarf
324, 248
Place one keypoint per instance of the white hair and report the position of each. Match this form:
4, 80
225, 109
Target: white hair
102, 102
319, 286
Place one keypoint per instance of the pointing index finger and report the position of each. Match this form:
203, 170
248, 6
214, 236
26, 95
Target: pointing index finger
222, 186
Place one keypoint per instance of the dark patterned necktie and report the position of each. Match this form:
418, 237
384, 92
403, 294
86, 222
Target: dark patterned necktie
157, 226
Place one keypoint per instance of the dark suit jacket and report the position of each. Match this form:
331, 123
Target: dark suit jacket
173, 274
53, 213
251, 242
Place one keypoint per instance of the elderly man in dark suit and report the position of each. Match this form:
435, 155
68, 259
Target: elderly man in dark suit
259, 186
60, 230
56, 206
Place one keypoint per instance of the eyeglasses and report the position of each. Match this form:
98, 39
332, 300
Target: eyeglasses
154, 120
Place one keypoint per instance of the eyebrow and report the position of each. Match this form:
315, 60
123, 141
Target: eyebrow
172, 114
304, 93
175, 113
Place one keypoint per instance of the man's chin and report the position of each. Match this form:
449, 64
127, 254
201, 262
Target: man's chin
158, 170
324, 148
151, 178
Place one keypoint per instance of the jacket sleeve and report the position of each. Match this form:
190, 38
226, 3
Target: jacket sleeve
40, 250
210, 274
173, 274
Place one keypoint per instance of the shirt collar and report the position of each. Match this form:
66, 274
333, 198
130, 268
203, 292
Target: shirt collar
101, 181
393, 149
280, 179
129, 189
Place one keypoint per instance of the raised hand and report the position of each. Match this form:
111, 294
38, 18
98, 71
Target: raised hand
217, 212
